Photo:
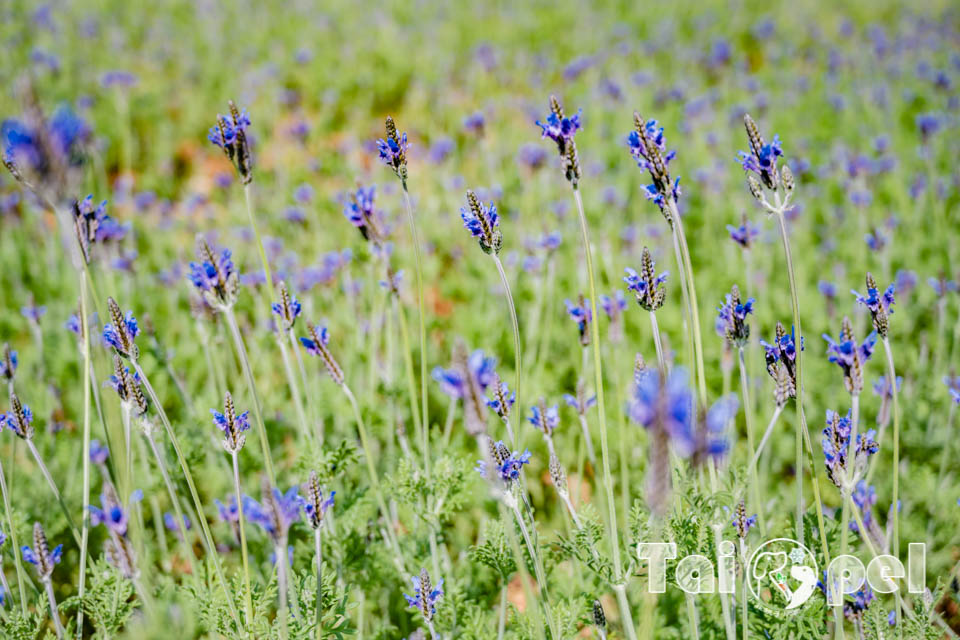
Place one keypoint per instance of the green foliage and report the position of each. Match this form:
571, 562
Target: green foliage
109, 601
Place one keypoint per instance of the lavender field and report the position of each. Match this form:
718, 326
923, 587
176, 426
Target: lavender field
480, 320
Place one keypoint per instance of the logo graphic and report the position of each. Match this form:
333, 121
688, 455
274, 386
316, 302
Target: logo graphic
782, 575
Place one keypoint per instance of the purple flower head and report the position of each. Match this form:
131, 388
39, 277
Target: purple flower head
561, 129
361, 212
532, 156
953, 386
482, 369
580, 313
614, 305
112, 515
827, 289
275, 512
781, 358
315, 504
483, 223
33, 313
228, 512
544, 418
876, 240
762, 157
741, 522
98, 452
648, 146
393, 150
882, 387
425, 596
669, 408
928, 124
40, 555
744, 235
508, 465
316, 344
850, 356
170, 522
835, 443
118, 78
287, 310
880, 305
8, 363
121, 332
646, 285
232, 424
732, 318
214, 276
580, 403
230, 134
942, 285
19, 419
503, 399
865, 497
475, 123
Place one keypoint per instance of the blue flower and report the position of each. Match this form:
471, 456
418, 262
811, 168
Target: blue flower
880, 305
112, 515
287, 309
8, 363
483, 223
19, 419
170, 522
482, 368
120, 335
581, 314
580, 405
212, 274
835, 442
745, 234
425, 596
98, 452
614, 305
953, 386
670, 407
508, 465
648, 146
232, 424
732, 318
361, 213
315, 505
560, 128
503, 400
544, 418
229, 512
850, 356
762, 157
230, 134
647, 286
276, 511
393, 150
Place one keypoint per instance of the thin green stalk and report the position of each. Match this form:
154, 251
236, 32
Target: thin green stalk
248, 196
174, 502
717, 536
661, 361
87, 383
692, 291
280, 552
748, 413
318, 551
412, 383
422, 307
198, 505
766, 436
55, 490
624, 605
502, 618
846, 491
947, 448
54, 613
692, 616
252, 387
247, 599
892, 378
294, 388
601, 409
538, 570
517, 356
13, 538
306, 385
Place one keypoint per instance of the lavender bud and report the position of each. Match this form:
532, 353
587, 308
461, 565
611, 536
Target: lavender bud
316, 345
230, 134
232, 424
599, 617
8, 365
121, 331
316, 505
483, 223
19, 419
558, 476
786, 176
755, 189
393, 150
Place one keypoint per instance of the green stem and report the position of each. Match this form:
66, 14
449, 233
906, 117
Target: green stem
601, 409
502, 621
661, 361
517, 357
248, 196
55, 490
280, 552
892, 379
174, 503
198, 505
87, 383
13, 538
624, 604
412, 383
538, 570
694, 312
752, 470
252, 386
422, 308
248, 602
318, 550
947, 448
54, 613
294, 388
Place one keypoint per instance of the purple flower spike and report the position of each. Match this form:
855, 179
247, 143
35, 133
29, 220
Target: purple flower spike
425, 596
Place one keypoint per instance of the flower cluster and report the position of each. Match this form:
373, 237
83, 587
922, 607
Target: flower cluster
360, 211
850, 356
275, 512
508, 465
762, 158
483, 223
316, 344
732, 318
19, 419
580, 313
580, 402
835, 444
41, 151
230, 134
232, 424
121, 332
425, 596
648, 146
8, 364
315, 505
561, 130
744, 235
287, 309
40, 555
127, 386
648, 287
503, 399
883, 388
880, 305
467, 380
544, 418
393, 150
741, 523
781, 358
214, 276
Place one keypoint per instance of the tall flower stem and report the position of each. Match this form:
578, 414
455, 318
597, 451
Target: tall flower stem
306, 385
624, 605
174, 502
87, 383
766, 436
13, 538
892, 377
422, 307
197, 504
717, 537
849, 471
252, 386
517, 356
658, 344
54, 613
294, 388
601, 408
502, 619
412, 384
55, 490
748, 413
803, 433
247, 599
280, 552
248, 197
538, 569
318, 552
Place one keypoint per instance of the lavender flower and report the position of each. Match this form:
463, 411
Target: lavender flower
316, 345
40, 555
230, 134
315, 505
393, 150
648, 146
232, 424
483, 223
941, 285
544, 418
275, 512
121, 332
287, 309
425, 596
8, 364
170, 522
741, 523
508, 465
214, 276
580, 402
362, 214
475, 123
953, 386
884, 389
835, 443
229, 512
19, 419
41, 150
561, 130
732, 319
668, 407
98, 453
781, 359
503, 399
745, 234
581, 314
850, 356
33, 312
91, 224
127, 386
613, 305
647, 286
762, 157
532, 156
467, 379
881, 306
112, 515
